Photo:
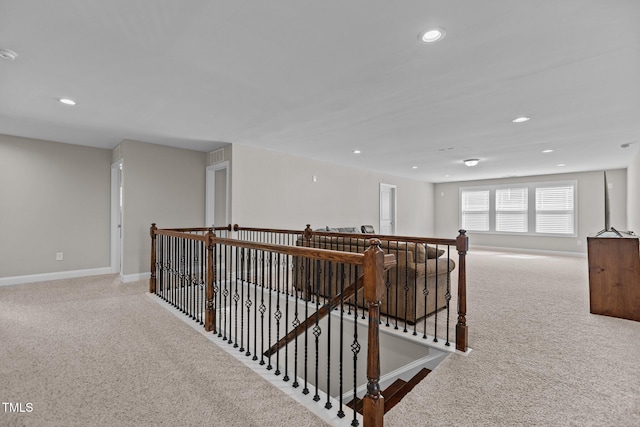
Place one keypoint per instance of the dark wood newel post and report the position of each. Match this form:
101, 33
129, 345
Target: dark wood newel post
462, 245
373, 402
209, 317
306, 236
152, 279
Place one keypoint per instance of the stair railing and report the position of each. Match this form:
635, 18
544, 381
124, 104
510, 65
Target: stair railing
222, 283
417, 292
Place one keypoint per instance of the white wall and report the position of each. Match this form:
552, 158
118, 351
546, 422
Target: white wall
590, 211
276, 190
54, 198
161, 184
633, 193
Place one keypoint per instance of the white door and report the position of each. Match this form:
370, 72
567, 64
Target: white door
116, 217
217, 209
387, 209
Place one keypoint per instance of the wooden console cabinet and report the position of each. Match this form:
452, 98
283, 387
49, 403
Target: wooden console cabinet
614, 276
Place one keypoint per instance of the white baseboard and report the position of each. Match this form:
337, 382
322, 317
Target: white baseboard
128, 278
32, 278
529, 251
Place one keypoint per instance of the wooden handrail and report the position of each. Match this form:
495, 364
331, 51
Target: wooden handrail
386, 237
236, 227
313, 253
181, 234
226, 227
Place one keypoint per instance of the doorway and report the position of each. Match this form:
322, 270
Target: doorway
116, 217
387, 209
217, 200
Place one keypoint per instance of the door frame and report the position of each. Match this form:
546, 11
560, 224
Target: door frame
210, 189
117, 218
394, 207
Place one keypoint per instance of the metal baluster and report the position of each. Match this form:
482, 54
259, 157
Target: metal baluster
341, 361
176, 267
305, 390
262, 307
317, 331
328, 405
286, 321
295, 324
397, 270
248, 303
192, 278
222, 279
255, 312
425, 292
406, 284
225, 292
236, 298
447, 296
270, 265
435, 315
355, 349
278, 314
216, 286
243, 282
415, 287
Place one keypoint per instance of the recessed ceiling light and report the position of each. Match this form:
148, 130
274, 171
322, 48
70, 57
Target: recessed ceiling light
7, 54
626, 145
521, 119
471, 162
547, 151
414, 167
432, 35
562, 164
357, 151
67, 101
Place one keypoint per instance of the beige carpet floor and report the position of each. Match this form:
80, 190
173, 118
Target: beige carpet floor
539, 357
94, 352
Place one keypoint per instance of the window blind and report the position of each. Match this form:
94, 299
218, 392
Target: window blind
512, 210
555, 210
475, 210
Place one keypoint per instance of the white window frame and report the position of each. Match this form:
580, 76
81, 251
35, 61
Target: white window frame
531, 206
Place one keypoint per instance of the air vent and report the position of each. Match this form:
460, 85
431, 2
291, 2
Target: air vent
216, 156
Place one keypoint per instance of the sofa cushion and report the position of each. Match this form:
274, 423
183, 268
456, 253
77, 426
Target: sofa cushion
433, 252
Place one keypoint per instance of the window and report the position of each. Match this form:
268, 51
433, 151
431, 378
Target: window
547, 208
554, 210
475, 210
511, 210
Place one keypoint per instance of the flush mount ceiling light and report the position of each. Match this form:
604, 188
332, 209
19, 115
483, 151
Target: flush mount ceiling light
67, 101
471, 162
432, 35
521, 119
7, 54
357, 151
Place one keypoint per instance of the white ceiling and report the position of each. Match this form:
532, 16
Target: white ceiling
321, 78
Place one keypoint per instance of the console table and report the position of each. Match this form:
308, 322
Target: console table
614, 276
